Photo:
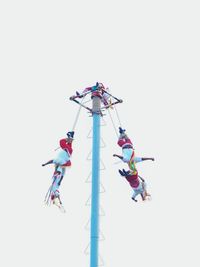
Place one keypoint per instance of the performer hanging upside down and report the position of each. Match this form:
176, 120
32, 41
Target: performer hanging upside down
138, 186
96, 90
61, 162
127, 150
63, 157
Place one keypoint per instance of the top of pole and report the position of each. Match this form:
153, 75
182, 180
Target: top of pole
100, 92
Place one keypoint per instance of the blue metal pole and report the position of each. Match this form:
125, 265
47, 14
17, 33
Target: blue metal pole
94, 235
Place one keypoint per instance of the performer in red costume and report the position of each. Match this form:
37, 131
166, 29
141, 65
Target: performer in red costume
127, 150
63, 157
61, 162
138, 185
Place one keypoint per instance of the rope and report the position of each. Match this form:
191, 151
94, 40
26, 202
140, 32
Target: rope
46, 199
117, 116
115, 108
77, 116
76, 119
113, 123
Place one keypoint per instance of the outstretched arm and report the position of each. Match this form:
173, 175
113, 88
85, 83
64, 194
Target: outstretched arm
118, 156
48, 162
148, 159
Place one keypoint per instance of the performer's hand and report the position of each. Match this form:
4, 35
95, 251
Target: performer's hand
121, 173
114, 155
152, 159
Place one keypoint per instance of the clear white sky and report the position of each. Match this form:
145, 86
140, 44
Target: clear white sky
147, 53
